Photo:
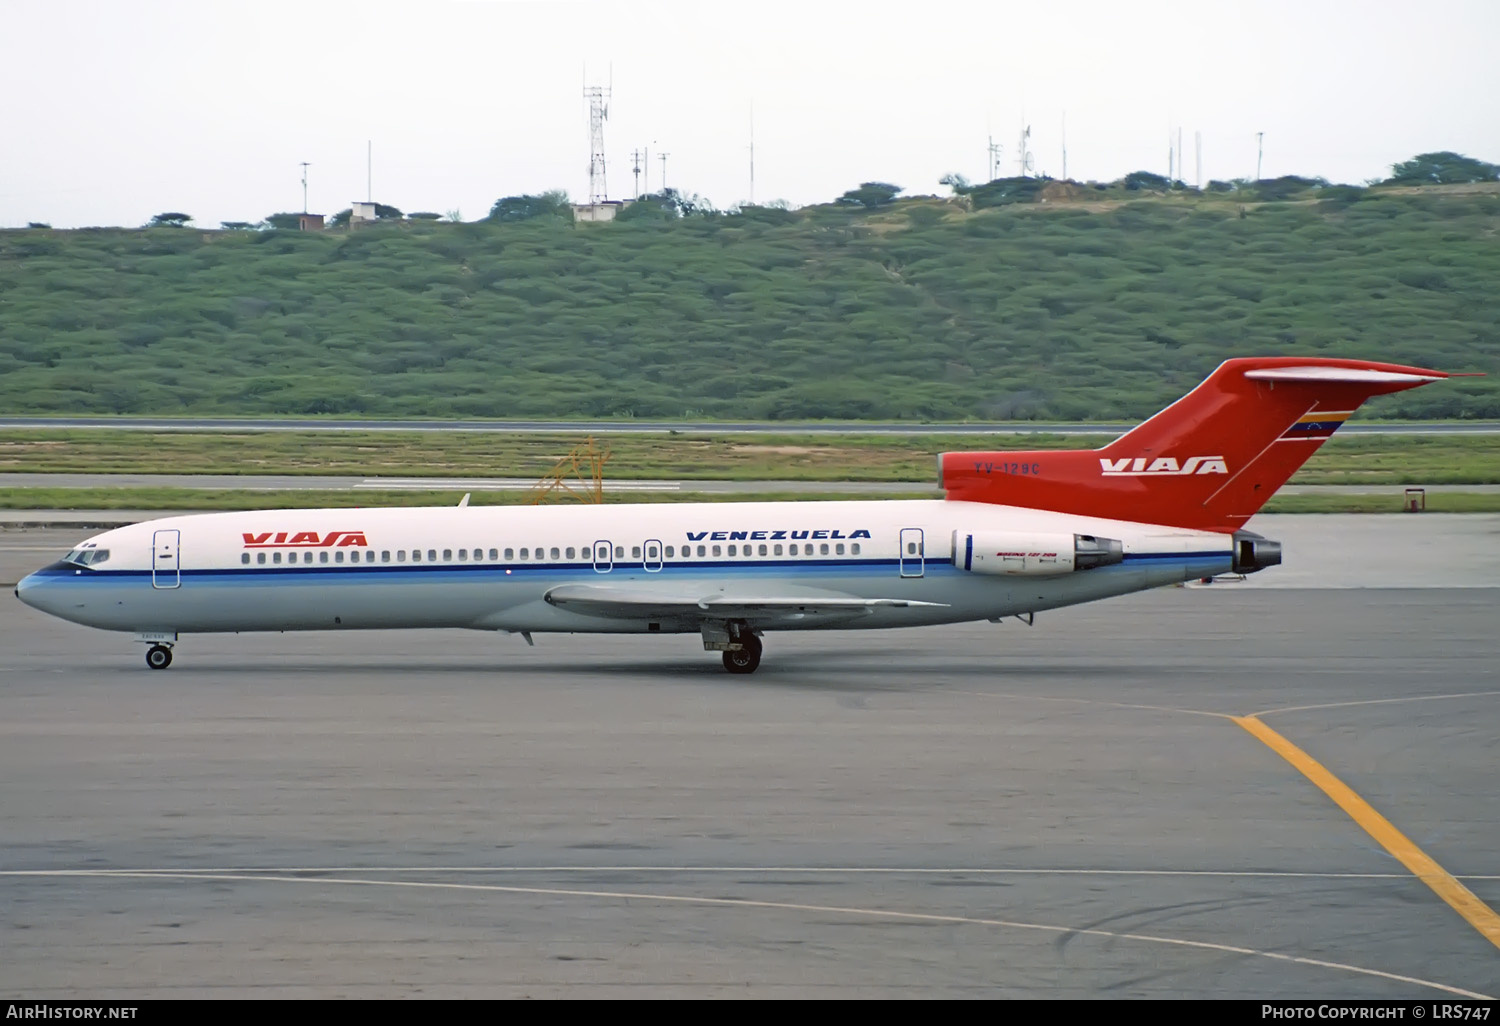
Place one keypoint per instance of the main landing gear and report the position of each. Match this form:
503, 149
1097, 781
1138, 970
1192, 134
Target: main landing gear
747, 657
158, 657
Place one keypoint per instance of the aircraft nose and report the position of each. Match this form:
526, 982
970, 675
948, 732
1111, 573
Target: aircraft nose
29, 590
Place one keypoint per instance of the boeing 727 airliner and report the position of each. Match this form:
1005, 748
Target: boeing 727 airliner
1018, 533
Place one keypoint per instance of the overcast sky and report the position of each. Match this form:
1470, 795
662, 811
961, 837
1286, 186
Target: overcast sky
116, 110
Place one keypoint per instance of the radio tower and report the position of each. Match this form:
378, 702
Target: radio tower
598, 97
635, 159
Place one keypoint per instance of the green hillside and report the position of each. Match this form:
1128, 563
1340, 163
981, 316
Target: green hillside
1077, 308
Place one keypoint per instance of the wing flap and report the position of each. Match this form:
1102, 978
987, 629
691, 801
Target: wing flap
637, 604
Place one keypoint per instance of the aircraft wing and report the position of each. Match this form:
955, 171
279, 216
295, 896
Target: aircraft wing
642, 604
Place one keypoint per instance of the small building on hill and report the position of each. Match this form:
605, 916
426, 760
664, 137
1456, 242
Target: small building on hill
310, 222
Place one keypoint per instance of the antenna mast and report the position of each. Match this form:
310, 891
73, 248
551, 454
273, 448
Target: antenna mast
635, 158
663, 157
305, 166
994, 171
1259, 151
598, 97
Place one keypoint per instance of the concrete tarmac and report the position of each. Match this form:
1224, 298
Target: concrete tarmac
1066, 810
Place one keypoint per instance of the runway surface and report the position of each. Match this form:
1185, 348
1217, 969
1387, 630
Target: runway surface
1024, 427
303, 482
1067, 810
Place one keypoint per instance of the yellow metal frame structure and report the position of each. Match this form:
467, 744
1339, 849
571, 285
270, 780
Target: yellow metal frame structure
578, 475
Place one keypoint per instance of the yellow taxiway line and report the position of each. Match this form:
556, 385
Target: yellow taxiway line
1464, 901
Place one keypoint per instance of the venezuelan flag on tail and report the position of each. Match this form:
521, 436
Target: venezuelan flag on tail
1207, 462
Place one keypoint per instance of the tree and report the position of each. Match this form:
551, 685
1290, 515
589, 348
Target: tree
1138, 180
555, 203
37, 224
284, 220
340, 219
385, 212
1445, 168
425, 215
957, 182
870, 194
172, 219
1007, 190
233, 225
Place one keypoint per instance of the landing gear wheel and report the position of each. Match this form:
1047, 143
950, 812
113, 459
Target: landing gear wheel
747, 658
158, 657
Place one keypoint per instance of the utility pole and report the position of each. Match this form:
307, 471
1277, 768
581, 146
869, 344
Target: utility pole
994, 171
305, 166
1259, 151
663, 157
635, 157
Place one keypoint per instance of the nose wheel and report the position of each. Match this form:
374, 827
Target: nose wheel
747, 657
158, 657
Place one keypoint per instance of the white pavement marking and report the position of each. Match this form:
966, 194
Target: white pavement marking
866, 913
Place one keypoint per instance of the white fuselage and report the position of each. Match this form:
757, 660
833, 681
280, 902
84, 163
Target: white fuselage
496, 567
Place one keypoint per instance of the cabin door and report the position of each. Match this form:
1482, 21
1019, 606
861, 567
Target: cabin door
165, 571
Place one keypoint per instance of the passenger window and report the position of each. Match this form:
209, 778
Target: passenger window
416, 555
619, 552
385, 555
494, 555
794, 548
762, 550
307, 557
669, 552
448, 555
571, 552
701, 550
823, 549
276, 557
370, 556
731, 550
432, 555
635, 552
260, 557
555, 555
323, 557
854, 549
650, 551
716, 550
338, 557
839, 549
911, 548
401, 555
778, 550
244, 557
525, 554
463, 555
509, 554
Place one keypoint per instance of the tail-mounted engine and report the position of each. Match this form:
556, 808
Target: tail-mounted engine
1006, 554
1253, 552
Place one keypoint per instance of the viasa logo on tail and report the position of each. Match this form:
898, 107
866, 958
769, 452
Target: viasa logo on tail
303, 539
1145, 466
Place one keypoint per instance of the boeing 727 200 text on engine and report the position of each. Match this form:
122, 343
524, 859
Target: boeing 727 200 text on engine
1018, 532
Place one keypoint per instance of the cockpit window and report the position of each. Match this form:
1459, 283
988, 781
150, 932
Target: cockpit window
87, 557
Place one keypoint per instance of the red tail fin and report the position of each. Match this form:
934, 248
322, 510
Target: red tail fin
1208, 462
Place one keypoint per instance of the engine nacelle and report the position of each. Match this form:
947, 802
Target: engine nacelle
1007, 554
1253, 552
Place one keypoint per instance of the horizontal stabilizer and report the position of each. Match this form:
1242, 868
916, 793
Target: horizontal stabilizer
1207, 462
